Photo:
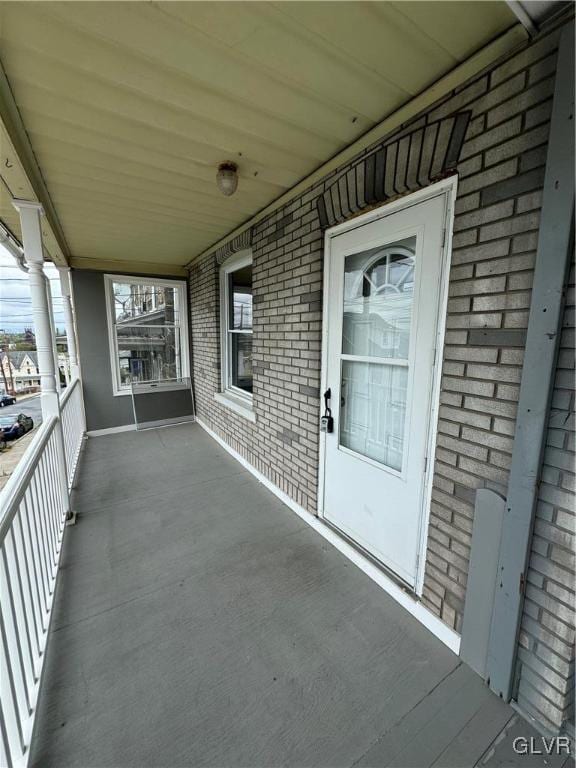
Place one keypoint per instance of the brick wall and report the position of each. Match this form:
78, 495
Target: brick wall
546, 654
501, 172
287, 327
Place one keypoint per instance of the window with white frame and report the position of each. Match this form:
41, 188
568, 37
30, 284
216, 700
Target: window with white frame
236, 327
147, 332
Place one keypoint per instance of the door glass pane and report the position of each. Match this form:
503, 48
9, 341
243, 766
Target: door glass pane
378, 298
373, 410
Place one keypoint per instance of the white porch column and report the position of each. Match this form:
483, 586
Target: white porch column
69, 321
30, 213
53, 333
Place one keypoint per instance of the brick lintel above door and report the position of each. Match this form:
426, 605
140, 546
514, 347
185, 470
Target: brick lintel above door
405, 164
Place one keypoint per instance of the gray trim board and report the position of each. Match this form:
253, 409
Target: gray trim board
537, 377
481, 585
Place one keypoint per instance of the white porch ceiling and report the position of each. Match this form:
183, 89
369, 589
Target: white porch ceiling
129, 107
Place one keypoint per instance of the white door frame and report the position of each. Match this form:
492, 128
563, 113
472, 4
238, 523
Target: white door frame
447, 188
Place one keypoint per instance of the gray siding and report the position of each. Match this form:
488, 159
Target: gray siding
103, 410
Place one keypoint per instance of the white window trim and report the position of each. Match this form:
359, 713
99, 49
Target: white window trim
237, 400
178, 285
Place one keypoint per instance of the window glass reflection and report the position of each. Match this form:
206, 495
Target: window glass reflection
373, 412
240, 315
240, 328
378, 299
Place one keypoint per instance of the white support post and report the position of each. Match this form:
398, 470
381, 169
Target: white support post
53, 333
69, 321
30, 213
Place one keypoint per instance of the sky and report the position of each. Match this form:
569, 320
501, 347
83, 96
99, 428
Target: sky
15, 301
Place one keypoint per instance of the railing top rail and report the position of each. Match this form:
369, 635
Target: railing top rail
15, 488
69, 389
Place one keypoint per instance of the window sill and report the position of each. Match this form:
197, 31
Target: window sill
236, 404
153, 388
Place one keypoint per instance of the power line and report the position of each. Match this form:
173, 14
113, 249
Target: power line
25, 299
24, 279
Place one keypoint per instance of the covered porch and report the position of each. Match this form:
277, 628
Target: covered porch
182, 583
199, 621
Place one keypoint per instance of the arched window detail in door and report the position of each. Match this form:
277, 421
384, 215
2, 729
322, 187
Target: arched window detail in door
390, 271
378, 294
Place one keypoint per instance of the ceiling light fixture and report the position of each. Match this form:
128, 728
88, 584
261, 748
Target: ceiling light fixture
227, 178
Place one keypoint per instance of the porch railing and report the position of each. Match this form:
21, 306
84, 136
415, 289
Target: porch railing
33, 508
73, 426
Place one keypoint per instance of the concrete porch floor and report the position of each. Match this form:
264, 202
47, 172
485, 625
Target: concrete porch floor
200, 622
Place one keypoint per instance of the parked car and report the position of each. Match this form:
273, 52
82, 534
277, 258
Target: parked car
7, 400
13, 427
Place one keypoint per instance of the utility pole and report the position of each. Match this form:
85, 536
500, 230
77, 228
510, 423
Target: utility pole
4, 373
11, 389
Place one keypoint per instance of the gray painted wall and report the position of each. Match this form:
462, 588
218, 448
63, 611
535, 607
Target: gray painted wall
103, 410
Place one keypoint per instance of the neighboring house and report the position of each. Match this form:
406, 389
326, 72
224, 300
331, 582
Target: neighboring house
21, 368
63, 358
385, 340
64, 365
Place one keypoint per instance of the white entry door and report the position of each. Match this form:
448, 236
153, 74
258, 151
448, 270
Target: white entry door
382, 295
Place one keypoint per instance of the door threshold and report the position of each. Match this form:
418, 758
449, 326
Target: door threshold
388, 572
